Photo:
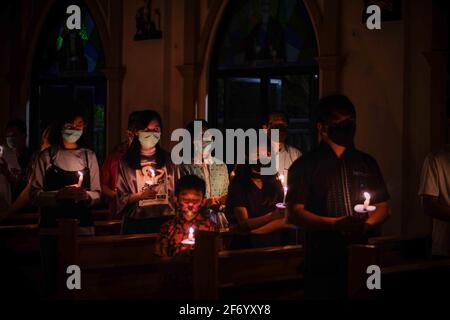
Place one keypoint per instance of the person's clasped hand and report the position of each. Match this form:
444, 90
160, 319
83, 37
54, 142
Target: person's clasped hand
72, 192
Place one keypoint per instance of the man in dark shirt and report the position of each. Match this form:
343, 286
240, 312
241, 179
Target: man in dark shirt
324, 187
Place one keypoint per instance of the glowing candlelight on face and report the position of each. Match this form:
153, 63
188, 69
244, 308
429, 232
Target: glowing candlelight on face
367, 201
80, 179
191, 234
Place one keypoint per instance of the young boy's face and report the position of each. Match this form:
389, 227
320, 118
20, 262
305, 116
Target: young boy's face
190, 201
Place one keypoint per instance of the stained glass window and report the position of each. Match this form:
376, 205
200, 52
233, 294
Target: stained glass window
264, 61
72, 51
266, 32
67, 73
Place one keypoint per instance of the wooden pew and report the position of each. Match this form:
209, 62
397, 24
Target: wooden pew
395, 255
33, 217
117, 266
125, 266
21, 244
216, 270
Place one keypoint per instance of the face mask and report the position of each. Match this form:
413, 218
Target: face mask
71, 136
206, 146
12, 142
342, 133
189, 209
149, 140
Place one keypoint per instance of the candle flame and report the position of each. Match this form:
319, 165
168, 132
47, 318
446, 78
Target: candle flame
80, 173
367, 195
152, 172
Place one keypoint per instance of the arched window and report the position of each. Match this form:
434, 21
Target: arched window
264, 60
67, 74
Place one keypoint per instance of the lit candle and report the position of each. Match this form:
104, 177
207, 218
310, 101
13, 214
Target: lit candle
282, 179
285, 193
191, 234
153, 176
152, 180
80, 179
367, 201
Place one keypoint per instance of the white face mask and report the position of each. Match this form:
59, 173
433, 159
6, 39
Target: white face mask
149, 140
71, 136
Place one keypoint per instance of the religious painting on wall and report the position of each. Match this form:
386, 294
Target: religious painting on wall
146, 27
391, 10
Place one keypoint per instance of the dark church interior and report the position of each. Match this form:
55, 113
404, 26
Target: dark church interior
349, 200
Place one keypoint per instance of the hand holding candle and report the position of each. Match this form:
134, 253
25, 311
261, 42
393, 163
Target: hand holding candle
283, 205
365, 207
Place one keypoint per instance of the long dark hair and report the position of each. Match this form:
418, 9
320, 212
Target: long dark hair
55, 131
133, 155
272, 186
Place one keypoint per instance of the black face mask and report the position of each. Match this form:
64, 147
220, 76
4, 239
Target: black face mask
255, 171
342, 133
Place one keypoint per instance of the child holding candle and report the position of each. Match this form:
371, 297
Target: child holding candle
55, 187
191, 216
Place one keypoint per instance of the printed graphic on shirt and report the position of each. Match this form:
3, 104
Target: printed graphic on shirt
156, 178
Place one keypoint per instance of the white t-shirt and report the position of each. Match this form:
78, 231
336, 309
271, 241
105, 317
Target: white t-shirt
435, 181
10, 157
286, 157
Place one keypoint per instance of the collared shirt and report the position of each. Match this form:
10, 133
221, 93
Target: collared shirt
435, 182
176, 230
330, 186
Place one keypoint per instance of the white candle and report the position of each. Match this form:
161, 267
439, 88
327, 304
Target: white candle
191, 234
152, 180
367, 201
153, 174
80, 179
